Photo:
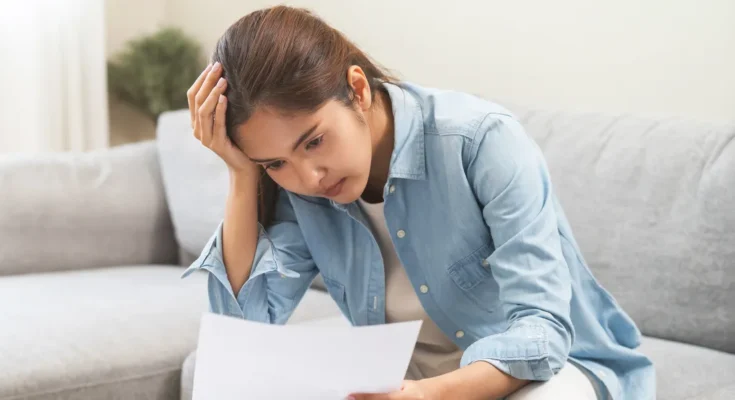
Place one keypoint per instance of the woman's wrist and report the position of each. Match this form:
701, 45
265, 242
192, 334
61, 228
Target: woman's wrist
244, 180
442, 386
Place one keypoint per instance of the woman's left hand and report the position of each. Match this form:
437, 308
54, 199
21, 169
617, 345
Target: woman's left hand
411, 390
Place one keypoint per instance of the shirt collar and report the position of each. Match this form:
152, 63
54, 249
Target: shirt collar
408, 160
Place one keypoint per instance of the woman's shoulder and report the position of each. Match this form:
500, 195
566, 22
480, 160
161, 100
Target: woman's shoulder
451, 112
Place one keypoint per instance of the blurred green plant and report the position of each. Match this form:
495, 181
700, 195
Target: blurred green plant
152, 73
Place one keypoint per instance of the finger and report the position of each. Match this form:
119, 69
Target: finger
193, 90
376, 396
206, 112
208, 84
219, 134
366, 396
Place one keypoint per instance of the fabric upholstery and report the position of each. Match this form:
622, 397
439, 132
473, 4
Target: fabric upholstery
651, 205
114, 333
71, 211
723, 393
195, 179
690, 372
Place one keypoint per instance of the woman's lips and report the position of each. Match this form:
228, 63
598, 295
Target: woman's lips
335, 189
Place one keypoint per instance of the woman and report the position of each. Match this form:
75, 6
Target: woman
412, 203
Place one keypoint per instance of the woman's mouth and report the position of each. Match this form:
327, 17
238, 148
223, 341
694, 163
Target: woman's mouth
335, 189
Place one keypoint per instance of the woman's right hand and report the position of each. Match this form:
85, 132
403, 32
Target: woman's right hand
207, 106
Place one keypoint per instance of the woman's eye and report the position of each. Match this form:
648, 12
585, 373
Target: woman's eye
274, 165
314, 142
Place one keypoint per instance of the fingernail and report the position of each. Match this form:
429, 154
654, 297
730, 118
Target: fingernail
221, 98
221, 82
209, 66
216, 66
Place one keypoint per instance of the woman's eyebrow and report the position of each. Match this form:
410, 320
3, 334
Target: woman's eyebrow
296, 145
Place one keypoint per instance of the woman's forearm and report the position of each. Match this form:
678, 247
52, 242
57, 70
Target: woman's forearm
240, 228
477, 381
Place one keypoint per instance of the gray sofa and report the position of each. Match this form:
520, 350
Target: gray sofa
92, 247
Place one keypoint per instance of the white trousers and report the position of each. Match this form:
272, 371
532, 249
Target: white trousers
569, 384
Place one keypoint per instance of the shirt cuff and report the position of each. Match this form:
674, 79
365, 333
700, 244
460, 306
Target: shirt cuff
524, 350
222, 298
503, 367
265, 260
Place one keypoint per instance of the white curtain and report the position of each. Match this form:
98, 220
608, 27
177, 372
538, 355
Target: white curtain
53, 85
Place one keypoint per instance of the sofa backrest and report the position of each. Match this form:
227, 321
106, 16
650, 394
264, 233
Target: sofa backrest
652, 206
71, 211
195, 180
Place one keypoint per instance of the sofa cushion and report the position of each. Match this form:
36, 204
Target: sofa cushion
690, 372
115, 333
195, 180
651, 205
69, 211
722, 393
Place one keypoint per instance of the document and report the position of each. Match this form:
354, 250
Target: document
244, 360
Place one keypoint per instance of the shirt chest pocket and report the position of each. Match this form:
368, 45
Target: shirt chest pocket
337, 291
473, 276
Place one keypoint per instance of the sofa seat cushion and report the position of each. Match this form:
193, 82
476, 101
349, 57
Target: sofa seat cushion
685, 371
113, 333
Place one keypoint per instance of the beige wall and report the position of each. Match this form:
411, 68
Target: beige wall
649, 57
126, 19
654, 57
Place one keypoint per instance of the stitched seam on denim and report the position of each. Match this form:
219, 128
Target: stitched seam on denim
476, 143
453, 272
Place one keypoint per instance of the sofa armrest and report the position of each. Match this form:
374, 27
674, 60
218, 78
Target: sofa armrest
68, 211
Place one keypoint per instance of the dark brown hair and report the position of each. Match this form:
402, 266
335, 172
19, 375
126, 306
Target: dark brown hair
292, 61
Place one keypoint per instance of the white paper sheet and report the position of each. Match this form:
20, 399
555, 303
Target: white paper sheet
245, 360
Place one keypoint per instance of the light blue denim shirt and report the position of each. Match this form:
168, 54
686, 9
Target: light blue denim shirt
475, 222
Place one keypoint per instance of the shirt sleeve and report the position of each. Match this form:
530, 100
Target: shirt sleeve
499, 365
511, 181
281, 274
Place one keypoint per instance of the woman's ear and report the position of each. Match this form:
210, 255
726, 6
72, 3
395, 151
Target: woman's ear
360, 87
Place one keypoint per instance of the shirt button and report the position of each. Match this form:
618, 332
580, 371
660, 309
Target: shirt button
485, 263
459, 334
401, 233
424, 289
392, 188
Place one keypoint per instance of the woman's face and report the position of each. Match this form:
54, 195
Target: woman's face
326, 153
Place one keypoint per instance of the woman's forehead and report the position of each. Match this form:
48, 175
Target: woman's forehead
271, 134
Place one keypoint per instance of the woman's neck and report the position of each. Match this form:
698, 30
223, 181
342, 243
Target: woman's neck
380, 121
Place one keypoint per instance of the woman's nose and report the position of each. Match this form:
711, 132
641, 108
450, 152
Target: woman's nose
311, 176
